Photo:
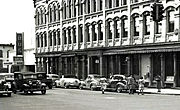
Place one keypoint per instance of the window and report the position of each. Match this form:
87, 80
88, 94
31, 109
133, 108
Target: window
81, 33
50, 39
123, 2
41, 40
124, 27
54, 38
38, 42
45, 39
94, 35
65, 39
94, 5
74, 35
117, 3
147, 24
59, 38
136, 26
69, 8
38, 18
158, 28
110, 4
50, 15
170, 21
54, 13
116, 27
88, 6
100, 31
64, 11
74, 8
101, 4
1, 63
41, 16
1, 53
109, 30
87, 33
69, 36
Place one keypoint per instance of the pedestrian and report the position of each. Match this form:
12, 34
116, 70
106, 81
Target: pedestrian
141, 85
131, 84
158, 80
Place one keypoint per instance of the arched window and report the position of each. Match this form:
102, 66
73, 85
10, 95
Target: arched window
124, 26
116, 27
109, 29
54, 38
100, 31
87, 33
64, 35
88, 6
170, 19
135, 24
1, 53
38, 16
50, 14
41, 16
54, 13
42, 40
45, 39
69, 35
59, 38
146, 23
37, 41
69, 8
74, 35
64, 11
50, 39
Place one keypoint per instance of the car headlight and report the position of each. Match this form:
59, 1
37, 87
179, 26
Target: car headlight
38, 82
30, 82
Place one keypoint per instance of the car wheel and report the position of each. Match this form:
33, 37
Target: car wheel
65, 86
9, 94
25, 92
91, 87
50, 86
44, 90
31, 92
119, 89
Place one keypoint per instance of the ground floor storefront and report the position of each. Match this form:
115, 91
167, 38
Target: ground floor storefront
146, 61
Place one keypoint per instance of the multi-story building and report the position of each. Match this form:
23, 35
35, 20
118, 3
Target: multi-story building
5, 49
108, 37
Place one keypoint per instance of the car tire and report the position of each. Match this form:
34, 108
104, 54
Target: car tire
9, 94
25, 92
119, 89
91, 87
31, 92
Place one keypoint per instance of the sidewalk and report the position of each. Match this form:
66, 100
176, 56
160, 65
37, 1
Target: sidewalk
163, 91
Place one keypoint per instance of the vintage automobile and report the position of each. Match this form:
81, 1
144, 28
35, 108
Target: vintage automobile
5, 86
67, 81
29, 82
93, 82
118, 83
53, 77
44, 78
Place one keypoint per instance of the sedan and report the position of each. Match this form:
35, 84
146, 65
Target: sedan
67, 81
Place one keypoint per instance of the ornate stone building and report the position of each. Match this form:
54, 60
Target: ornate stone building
106, 37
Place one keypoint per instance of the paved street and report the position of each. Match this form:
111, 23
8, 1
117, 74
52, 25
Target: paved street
74, 99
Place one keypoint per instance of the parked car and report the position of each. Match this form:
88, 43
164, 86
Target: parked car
29, 82
44, 78
67, 81
9, 77
5, 87
118, 83
53, 77
93, 82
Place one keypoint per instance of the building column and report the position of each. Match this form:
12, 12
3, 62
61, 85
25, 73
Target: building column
119, 63
162, 69
89, 65
151, 70
47, 64
175, 70
97, 33
112, 65
101, 64
84, 67
128, 59
77, 66
60, 66
141, 32
91, 35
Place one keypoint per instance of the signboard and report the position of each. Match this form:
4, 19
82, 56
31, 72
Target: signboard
18, 60
19, 43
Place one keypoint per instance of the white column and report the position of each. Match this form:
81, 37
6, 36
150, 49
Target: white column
141, 30
90, 35
112, 27
177, 23
129, 23
72, 36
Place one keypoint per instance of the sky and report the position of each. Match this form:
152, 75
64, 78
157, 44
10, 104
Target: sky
17, 16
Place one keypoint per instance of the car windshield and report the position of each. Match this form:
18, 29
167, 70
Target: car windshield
70, 76
55, 77
32, 76
118, 77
